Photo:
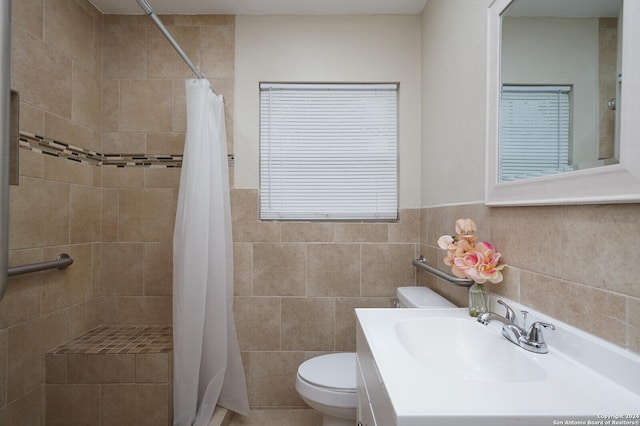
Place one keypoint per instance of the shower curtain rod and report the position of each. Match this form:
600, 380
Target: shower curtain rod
149, 11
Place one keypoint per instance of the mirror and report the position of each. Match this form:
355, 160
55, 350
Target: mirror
557, 131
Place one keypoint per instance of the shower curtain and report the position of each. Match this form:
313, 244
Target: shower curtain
207, 364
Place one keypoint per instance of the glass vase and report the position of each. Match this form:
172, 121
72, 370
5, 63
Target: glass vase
478, 299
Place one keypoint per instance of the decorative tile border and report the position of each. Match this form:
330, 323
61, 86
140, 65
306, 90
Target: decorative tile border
43, 145
141, 160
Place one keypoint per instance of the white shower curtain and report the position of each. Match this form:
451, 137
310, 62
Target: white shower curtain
207, 364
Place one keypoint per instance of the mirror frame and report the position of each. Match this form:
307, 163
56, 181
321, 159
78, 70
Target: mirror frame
617, 183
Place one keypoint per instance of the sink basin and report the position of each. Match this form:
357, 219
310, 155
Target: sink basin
440, 366
464, 350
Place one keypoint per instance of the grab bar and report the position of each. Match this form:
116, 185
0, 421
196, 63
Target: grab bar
421, 263
63, 261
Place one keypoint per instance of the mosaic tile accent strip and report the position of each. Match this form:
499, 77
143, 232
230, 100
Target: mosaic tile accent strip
142, 160
56, 148
121, 339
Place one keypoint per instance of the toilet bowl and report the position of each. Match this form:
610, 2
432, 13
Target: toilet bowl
327, 383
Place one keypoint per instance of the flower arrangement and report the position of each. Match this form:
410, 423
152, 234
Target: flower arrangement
468, 259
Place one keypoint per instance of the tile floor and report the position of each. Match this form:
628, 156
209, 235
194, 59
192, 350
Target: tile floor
279, 417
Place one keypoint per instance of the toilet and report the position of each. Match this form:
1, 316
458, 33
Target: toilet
327, 383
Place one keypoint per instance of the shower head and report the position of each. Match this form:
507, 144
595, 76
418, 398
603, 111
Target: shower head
145, 6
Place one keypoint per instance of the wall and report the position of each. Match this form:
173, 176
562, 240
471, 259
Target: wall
608, 42
57, 68
328, 49
575, 263
535, 52
297, 283
144, 113
105, 84
453, 50
83, 77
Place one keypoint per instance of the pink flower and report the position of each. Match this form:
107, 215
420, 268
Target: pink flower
445, 242
486, 248
479, 262
465, 227
488, 269
468, 260
468, 264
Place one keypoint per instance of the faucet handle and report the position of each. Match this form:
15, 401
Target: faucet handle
510, 315
524, 318
534, 335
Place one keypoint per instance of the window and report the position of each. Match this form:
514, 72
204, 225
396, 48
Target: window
534, 131
328, 151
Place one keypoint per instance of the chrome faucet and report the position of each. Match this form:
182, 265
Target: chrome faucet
531, 339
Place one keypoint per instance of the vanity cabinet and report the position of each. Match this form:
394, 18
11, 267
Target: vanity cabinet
374, 406
365, 410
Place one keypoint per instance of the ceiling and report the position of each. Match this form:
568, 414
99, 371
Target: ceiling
265, 7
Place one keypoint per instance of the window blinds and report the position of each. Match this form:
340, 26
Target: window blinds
328, 151
534, 131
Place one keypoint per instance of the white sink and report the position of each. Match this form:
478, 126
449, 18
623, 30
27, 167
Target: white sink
443, 367
463, 350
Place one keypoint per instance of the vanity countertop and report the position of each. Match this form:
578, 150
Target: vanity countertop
429, 372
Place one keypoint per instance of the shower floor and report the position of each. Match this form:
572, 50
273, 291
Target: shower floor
279, 417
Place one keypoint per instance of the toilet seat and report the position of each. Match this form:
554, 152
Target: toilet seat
332, 371
329, 380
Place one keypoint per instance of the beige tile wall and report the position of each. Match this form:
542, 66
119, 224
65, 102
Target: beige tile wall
297, 285
126, 94
144, 113
57, 68
142, 90
108, 389
114, 85
575, 263
607, 75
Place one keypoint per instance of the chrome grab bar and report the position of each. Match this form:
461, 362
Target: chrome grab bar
421, 263
63, 261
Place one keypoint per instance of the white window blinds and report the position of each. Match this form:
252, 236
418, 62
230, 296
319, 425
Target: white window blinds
328, 151
534, 131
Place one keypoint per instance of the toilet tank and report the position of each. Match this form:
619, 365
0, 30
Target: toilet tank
421, 297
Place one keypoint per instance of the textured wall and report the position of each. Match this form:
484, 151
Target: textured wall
112, 84
107, 85
296, 285
343, 49
574, 263
144, 112
57, 68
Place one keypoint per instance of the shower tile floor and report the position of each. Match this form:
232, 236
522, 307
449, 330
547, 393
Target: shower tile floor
279, 417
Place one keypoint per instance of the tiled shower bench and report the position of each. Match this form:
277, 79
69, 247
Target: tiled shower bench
112, 375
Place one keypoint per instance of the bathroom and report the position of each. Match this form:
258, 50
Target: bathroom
113, 84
